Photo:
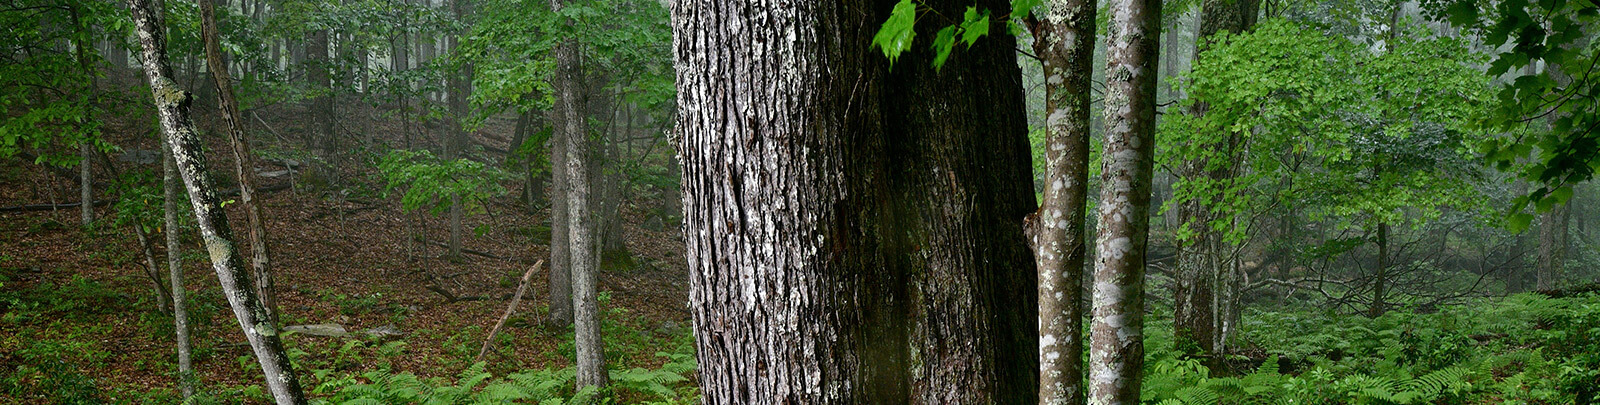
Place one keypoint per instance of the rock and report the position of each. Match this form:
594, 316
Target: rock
385, 331
140, 156
321, 329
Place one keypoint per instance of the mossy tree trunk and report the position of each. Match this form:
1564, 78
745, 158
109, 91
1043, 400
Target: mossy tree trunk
173, 104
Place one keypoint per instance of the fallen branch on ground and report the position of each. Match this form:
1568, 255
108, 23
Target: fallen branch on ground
521, 288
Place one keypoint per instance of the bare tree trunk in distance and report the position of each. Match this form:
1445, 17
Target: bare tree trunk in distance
85, 148
853, 233
243, 167
1116, 354
172, 104
459, 88
570, 119
1065, 40
180, 313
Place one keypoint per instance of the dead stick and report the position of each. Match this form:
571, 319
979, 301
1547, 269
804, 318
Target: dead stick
521, 288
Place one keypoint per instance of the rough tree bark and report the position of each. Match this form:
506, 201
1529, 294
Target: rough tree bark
570, 119
853, 233
172, 104
243, 168
180, 313
560, 250
1065, 41
1204, 281
1116, 355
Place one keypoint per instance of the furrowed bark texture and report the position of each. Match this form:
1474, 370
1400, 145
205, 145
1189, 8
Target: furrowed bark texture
1116, 355
570, 99
217, 64
180, 313
853, 233
1064, 39
172, 104
1205, 283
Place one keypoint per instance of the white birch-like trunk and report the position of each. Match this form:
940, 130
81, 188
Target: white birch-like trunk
172, 104
1065, 41
1116, 355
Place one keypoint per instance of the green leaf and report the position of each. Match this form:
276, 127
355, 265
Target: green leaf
1518, 222
942, 45
1021, 8
975, 26
896, 34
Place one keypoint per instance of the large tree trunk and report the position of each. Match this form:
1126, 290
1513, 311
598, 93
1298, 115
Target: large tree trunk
1065, 40
1116, 355
570, 119
1205, 277
180, 313
172, 104
217, 63
853, 233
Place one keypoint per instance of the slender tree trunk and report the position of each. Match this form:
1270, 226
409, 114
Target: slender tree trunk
85, 147
1065, 40
1380, 276
243, 168
180, 312
1116, 355
560, 248
569, 119
853, 232
162, 296
459, 85
172, 104
317, 65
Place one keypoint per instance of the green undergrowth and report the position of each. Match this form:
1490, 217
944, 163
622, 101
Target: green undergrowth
53, 336
1523, 349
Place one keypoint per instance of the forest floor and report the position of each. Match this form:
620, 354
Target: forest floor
342, 255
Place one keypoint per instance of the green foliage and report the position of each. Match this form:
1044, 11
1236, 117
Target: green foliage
1522, 349
430, 182
1334, 129
1548, 117
897, 33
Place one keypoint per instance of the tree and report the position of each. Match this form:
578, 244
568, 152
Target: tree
1116, 353
853, 231
1205, 285
571, 122
1064, 40
172, 104
180, 312
243, 169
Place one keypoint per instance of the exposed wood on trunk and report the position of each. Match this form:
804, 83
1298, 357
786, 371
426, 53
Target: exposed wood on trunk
172, 104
